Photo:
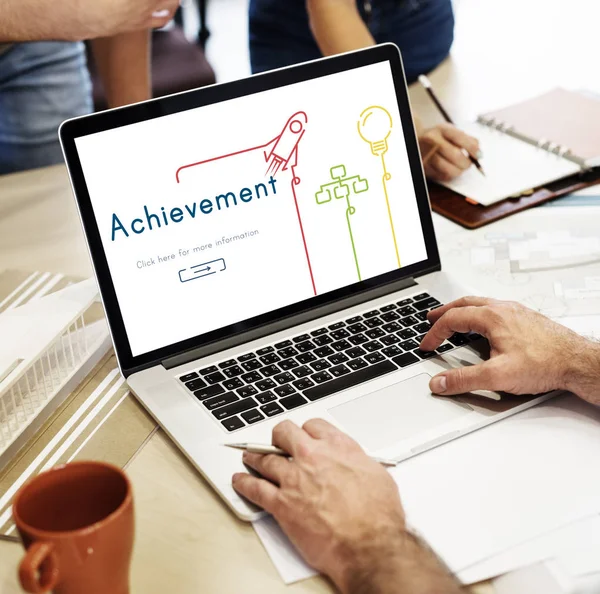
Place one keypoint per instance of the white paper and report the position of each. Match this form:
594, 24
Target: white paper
583, 559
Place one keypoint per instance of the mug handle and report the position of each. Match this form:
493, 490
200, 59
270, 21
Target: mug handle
35, 578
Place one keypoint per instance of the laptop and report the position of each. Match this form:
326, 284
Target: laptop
265, 251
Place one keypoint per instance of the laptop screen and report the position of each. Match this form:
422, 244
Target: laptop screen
221, 213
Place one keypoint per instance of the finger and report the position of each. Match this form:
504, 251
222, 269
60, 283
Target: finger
164, 15
289, 437
454, 155
466, 379
471, 301
272, 467
259, 491
460, 138
464, 319
442, 169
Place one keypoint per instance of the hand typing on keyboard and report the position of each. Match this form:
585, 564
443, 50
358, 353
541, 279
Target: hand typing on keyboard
343, 512
530, 354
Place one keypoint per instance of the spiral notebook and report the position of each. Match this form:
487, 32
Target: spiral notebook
531, 144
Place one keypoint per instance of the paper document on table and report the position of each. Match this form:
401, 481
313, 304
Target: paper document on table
511, 167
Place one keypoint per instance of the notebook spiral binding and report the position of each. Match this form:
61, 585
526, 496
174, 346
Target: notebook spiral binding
554, 148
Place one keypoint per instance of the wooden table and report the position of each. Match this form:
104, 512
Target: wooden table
186, 540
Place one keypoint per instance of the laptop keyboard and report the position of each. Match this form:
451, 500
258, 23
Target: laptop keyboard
274, 379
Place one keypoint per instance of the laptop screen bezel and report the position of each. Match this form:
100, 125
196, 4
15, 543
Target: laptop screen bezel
108, 120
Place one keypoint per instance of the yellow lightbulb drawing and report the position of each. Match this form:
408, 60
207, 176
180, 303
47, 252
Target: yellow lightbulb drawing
374, 127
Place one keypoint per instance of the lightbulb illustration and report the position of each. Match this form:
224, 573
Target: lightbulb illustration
374, 127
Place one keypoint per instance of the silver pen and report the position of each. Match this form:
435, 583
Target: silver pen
258, 448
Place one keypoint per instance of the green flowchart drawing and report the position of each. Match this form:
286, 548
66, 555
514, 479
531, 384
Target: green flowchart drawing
343, 188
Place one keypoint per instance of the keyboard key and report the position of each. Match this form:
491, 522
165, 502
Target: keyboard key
336, 326
215, 378
271, 409
474, 336
227, 363
283, 378
389, 307
373, 358
303, 337
323, 340
324, 351
422, 296
423, 327
188, 377
390, 316
339, 334
391, 351
252, 416
221, 400
375, 333
406, 334
320, 365
303, 347
251, 365
425, 354
421, 315
407, 310
209, 392
284, 390
358, 339
445, 347
319, 332
288, 364
356, 328
374, 322
409, 345
270, 358
284, 344
355, 352
306, 358
233, 371
426, 304
288, 352
338, 358
302, 371
371, 314
247, 391
265, 384
304, 383
266, 397
458, 339
391, 327
339, 370
208, 370
390, 339
265, 350
246, 357
269, 370
356, 364
408, 321
294, 401
235, 408
372, 346
405, 359
419, 338
233, 423
351, 379
341, 345
232, 384
404, 302
322, 376
354, 320
251, 377
195, 385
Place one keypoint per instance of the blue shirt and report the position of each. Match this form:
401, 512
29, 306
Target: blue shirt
280, 34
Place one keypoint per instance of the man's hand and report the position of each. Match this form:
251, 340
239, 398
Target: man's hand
342, 511
449, 161
74, 20
530, 354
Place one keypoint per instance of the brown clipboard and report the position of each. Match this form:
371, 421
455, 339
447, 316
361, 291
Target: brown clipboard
472, 216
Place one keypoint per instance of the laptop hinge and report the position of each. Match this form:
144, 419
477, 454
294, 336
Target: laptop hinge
285, 323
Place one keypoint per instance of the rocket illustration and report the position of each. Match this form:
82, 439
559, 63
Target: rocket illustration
282, 151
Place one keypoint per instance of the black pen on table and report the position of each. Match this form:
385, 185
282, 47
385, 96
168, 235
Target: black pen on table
427, 86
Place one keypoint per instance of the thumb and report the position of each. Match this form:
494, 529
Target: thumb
463, 379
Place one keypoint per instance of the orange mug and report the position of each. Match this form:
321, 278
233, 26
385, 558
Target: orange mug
76, 522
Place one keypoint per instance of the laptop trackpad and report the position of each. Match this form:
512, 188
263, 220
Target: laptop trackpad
385, 417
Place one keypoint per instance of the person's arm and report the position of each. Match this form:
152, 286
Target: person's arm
529, 353
123, 62
356, 536
76, 20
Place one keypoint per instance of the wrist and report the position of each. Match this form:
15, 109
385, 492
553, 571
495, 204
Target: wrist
582, 373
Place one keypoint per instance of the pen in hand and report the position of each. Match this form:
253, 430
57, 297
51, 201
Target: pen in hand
425, 82
257, 448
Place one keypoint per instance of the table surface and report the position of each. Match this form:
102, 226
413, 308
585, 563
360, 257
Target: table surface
505, 50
